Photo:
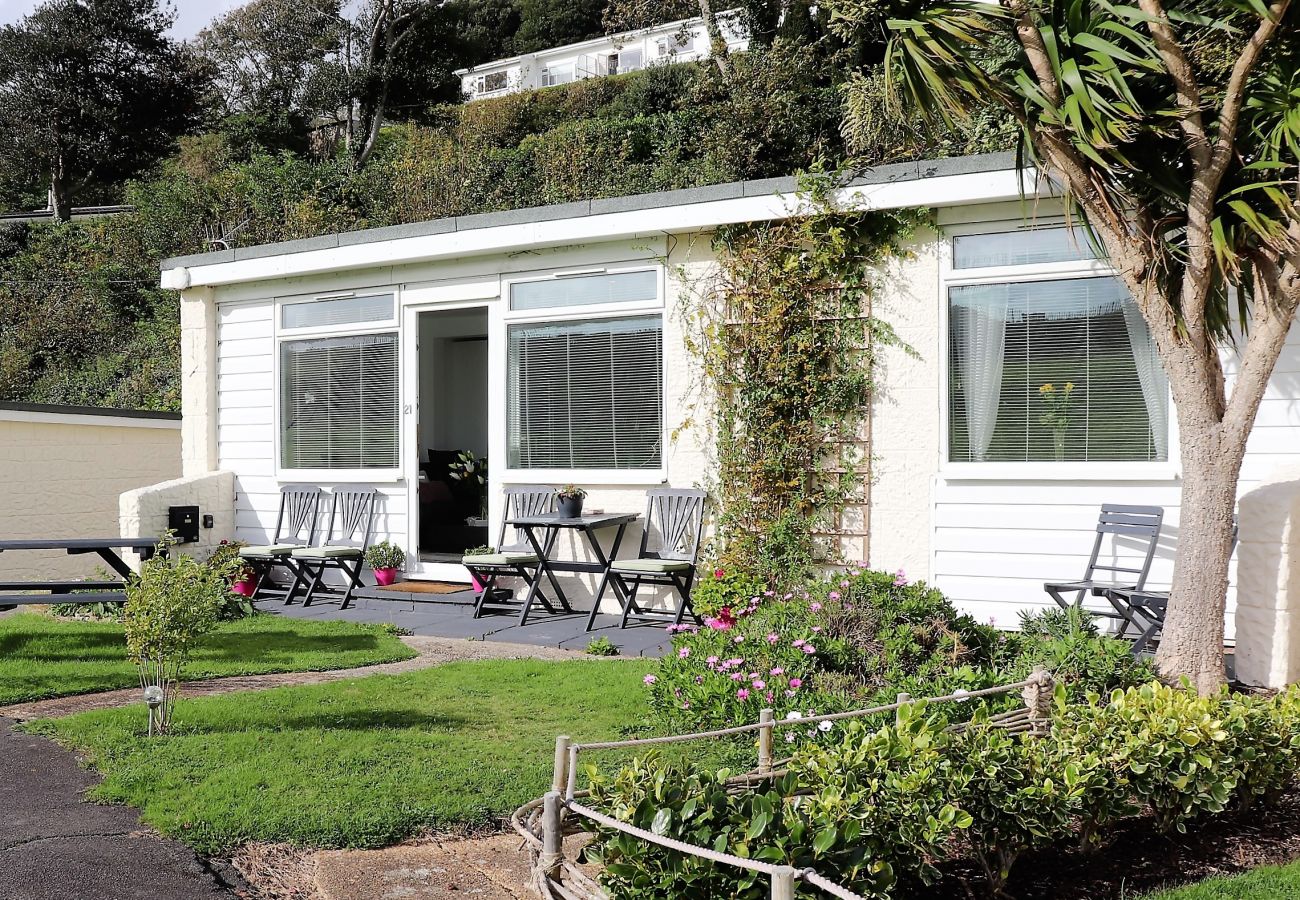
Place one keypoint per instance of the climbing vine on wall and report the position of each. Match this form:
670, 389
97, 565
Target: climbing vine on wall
788, 345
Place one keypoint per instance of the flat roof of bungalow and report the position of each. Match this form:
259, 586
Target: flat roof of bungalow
926, 183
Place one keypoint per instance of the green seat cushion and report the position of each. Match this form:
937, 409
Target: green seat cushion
650, 565
326, 553
270, 550
499, 559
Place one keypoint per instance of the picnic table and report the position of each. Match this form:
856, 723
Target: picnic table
549, 526
97, 590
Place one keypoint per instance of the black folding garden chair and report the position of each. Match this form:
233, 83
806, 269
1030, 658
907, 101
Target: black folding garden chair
343, 544
1141, 524
518, 559
670, 543
295, 527
1148, 606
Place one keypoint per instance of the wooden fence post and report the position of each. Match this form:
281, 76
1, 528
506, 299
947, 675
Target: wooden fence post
548, 864
783, 883
903, 698
560, 779
1038, 695
766, 719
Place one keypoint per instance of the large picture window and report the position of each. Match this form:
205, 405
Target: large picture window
586, 394
339, 403
1044, 371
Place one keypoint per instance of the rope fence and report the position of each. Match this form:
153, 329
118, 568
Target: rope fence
545, 822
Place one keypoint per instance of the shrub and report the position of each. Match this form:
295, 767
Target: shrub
848, 640
173, 602
1267, 738
602, 646
721, 589
1069, 645
385, 555
225, 558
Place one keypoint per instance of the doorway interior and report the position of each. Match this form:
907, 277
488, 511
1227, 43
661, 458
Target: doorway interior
452, 433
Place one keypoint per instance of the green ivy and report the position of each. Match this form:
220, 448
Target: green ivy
788, 344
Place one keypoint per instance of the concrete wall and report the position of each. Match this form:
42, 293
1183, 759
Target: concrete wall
61, 472
144, 511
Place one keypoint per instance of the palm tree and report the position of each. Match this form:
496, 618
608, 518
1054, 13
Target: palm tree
1174, 130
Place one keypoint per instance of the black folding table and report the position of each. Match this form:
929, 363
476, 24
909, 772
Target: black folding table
543, 531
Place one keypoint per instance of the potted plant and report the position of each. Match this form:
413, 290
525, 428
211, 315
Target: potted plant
243, 577
570, 499
472, 469
481, 550
386, 558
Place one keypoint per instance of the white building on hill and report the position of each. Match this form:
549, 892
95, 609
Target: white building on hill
674, 42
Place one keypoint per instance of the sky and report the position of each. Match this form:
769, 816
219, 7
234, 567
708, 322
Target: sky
192, 15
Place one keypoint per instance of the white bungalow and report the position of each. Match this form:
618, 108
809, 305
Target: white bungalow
616, 54
549, 341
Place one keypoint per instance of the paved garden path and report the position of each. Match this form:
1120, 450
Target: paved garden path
55, 846
433, 651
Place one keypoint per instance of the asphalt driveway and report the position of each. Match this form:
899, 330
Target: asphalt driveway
56, 846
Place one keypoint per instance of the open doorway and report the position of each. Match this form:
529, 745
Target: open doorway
452, 433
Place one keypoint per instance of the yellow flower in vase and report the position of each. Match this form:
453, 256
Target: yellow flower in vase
1056, 413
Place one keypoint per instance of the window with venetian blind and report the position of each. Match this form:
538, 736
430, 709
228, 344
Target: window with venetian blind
1054, 370
339, 402
585, 393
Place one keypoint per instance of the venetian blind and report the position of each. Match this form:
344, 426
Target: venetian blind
338, 403
586, 395
1053, 370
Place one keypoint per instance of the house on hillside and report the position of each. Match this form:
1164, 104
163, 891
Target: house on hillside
550, 341
674, 42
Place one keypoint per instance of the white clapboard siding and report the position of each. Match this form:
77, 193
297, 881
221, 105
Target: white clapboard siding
246, 431
994, 543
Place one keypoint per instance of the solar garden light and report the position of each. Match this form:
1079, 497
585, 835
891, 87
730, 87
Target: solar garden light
153, 697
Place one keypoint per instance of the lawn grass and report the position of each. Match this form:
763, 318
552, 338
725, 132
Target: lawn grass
43, 657
1267, 883
357, 763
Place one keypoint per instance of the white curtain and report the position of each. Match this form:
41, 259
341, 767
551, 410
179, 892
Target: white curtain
981, 342
1151, 375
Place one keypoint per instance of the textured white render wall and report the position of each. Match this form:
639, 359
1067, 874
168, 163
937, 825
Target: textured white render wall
144, 511
63, 480
905, 424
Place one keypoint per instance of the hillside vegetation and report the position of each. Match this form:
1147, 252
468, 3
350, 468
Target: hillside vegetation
83, 321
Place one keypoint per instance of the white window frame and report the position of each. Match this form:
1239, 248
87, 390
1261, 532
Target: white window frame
591, 312
282, 335
949, 277
550, 68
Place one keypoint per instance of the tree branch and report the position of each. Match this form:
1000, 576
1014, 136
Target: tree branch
1184, 76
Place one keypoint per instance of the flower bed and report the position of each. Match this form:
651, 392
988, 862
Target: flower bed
853, 640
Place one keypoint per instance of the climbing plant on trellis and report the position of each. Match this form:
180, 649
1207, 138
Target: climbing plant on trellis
788, 343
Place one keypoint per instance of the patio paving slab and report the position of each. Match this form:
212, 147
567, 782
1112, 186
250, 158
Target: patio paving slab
54, 845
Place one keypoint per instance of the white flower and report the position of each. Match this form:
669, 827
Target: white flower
794, 714
825, 726
961, 694
789, 737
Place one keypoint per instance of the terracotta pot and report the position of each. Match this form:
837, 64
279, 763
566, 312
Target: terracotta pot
385, 576
246, 586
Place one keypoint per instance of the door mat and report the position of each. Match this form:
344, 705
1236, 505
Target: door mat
426, 587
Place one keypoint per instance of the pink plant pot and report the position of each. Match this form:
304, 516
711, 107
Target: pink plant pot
479, 587
246, 586
385, 577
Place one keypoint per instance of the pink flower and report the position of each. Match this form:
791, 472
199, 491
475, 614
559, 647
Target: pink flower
742, 694
789, 693
738, 639
683, 652
686, 704
773, 638
699, 679
777, 670
753, 675
769, 593
900, 578
736, 676
759, 685
787, 596
649, 679
719, 573
844, 583
835, 595
769, 696
711, 661
815, 606
809, 649
717, 624
816, 629
796, 683
736, 661
799, 643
